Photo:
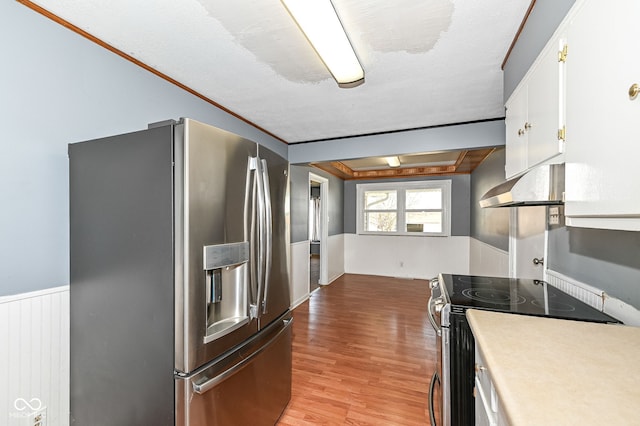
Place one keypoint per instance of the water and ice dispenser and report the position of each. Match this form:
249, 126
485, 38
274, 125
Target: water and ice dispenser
226, 272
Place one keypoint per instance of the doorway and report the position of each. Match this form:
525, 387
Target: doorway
318, 231
527, 242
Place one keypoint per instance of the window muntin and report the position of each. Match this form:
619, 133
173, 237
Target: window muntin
405, 208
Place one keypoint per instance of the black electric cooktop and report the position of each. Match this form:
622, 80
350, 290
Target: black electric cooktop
520, 296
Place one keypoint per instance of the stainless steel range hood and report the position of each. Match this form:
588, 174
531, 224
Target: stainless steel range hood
542, 185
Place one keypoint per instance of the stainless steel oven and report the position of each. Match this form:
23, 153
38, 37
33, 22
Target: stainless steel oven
439, 386
451, 396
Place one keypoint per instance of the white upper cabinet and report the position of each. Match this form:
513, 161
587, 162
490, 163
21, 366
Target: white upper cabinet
516, 137
603, 119
535, 113
546, 105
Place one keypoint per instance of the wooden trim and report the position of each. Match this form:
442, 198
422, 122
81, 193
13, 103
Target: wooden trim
404, 172
466, 163
139, 63
461, 158
340, 166
333, 171
517, 36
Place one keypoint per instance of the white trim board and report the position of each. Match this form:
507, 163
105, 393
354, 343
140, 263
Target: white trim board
299, 274
32, 294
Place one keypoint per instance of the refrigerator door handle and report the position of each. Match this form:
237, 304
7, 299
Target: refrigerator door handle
261, 238
209, 384
251, 166
268, 234
250, 224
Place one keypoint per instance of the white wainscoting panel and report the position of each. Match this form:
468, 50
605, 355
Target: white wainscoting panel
335, 257
34, 357
405, 256
487, 260
581, 291
299, 277
595, 297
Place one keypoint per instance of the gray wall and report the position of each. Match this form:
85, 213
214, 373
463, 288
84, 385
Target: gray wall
609, 260
490, 226
460, 194
56, 88
300, 202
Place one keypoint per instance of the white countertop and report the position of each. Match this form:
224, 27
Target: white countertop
559, 372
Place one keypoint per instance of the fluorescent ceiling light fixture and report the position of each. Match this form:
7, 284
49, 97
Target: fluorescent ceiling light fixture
393, 161
320, 24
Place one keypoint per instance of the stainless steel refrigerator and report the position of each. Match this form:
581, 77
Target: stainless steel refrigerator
179, 288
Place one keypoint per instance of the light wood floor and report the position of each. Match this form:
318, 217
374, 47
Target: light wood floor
363, 354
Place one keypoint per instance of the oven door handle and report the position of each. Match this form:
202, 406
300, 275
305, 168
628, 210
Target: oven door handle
432, 385
432, 320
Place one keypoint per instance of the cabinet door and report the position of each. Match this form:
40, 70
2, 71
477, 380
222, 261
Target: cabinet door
545, 106
516, 137
486, 400
603, 130
535, 113
484, 415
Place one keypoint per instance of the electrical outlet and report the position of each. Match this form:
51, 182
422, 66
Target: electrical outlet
554, 216
40, 418
36, 418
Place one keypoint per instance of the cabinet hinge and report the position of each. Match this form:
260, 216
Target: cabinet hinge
562, 54
562, 134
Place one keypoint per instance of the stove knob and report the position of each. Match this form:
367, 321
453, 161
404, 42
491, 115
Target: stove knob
438, 305
434, 283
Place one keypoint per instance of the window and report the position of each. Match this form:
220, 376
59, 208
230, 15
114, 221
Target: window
405, 208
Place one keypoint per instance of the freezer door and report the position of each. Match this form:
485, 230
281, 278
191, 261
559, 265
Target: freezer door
275, 297
213, 178
250, 386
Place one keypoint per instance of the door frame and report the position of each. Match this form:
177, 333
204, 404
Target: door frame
515, 241
324, 225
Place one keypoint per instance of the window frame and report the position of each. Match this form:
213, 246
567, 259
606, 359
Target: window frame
401, 187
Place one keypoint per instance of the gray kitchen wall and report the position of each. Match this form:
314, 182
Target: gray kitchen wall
609, 260
460, 195
490, 226
299, 177
56, 87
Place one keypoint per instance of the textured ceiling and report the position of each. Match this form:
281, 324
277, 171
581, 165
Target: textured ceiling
426, 63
